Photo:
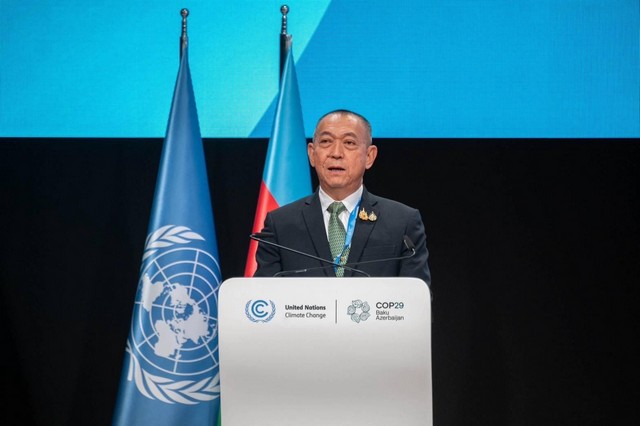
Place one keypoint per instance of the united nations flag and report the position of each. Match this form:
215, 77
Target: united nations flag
170, 374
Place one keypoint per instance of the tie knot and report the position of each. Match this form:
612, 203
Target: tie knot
336, 208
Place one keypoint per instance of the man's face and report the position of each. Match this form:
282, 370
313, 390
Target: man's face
340, 153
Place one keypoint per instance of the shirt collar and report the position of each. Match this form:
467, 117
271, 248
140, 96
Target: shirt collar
350, 202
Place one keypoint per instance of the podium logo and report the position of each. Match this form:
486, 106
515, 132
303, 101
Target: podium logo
358, 311
260, 310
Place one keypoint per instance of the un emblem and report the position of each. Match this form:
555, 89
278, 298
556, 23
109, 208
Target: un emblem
260, 310
173, 343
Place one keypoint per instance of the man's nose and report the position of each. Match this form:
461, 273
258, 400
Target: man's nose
336, 150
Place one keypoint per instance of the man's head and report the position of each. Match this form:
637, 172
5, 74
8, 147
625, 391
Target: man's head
341, 152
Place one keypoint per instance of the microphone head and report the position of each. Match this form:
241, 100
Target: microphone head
409, 243
261, 235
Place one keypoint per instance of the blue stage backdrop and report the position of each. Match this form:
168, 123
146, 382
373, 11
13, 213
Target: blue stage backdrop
416, 68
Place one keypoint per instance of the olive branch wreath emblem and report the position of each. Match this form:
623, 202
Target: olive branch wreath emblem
189, 392
167, 236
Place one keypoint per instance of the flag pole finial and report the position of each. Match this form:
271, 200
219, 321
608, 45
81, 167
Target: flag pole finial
285, 39
284, 9
184, 39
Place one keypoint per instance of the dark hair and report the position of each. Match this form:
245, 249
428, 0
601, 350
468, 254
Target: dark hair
360, 117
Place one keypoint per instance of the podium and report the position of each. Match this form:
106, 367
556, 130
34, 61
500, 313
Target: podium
325, 351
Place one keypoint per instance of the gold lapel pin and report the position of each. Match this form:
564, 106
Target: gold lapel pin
363, 215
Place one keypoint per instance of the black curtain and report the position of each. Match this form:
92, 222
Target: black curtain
535, 258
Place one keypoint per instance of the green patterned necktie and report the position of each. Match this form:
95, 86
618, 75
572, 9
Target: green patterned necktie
337, 234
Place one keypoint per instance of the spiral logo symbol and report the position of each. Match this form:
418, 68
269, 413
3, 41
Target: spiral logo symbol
260, 310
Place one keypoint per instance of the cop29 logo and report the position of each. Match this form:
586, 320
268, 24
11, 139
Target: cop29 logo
359, 310
390, 305
260, 310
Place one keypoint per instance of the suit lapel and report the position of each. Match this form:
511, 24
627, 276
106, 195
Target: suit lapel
362, 230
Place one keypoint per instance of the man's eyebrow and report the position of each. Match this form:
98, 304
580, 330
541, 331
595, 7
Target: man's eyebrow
352, 134
328, 133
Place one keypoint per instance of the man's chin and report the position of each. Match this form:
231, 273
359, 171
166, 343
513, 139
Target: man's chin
336, 184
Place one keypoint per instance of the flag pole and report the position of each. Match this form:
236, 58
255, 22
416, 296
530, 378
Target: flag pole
184, 39
285, 39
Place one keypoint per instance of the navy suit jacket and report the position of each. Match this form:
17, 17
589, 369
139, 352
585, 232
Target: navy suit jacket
300, 226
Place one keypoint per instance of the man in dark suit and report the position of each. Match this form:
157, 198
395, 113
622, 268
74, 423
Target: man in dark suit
362, 228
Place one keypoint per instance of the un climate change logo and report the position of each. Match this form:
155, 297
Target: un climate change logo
173, 344
260, 310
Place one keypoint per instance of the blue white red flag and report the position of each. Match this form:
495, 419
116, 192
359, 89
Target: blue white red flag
286, 176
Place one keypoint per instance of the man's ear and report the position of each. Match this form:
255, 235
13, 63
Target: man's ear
372, 153
312, 160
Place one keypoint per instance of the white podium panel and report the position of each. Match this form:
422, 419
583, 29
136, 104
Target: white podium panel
325, 351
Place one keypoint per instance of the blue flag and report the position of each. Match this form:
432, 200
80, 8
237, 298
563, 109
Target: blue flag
170, 374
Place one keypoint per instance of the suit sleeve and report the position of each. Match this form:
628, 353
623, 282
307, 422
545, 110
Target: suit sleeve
267, 256
417, 266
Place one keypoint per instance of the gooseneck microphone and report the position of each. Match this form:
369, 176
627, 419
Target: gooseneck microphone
349, 266
259, 237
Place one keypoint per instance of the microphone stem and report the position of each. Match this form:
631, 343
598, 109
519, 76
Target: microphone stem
301, 253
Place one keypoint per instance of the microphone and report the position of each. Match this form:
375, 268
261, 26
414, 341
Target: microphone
407, 242
259, 237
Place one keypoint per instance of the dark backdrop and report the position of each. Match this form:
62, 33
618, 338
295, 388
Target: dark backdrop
534, 255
